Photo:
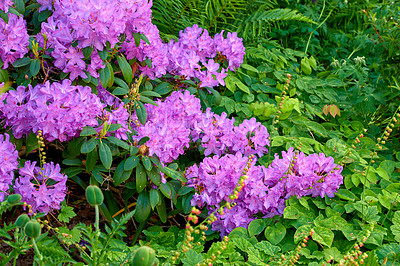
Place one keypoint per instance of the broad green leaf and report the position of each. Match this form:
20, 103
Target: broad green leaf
323, 236
166, 189
192, 258
395, 228
345, 194
88, 131
256, 227
34, 67
125, 68
155, 176
131, 162
143, 206
275, 233
267, 248
162, 210
72, 162
141, 178
22, 62
389, 253
154, 198
91, 159
89, 145
120, 174
163, 88
31, 143
118, 142
147, 163
141, 112
173, 174
105, 155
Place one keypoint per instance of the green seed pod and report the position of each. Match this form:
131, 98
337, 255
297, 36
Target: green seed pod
144, 256
22, 220
94, 195
33, 229
14, 199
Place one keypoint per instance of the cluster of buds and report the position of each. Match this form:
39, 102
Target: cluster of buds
189, 230
25, 205
296, 254
42, 153
388, 130
284, 97
356, 256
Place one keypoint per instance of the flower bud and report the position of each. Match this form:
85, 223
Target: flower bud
14, 199
94, 195
33, 229
22, 220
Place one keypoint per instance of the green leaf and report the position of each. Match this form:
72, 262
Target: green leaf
114, 127
143, 207
323, 236
147, 163
345, 194
120, 91
105, 155
89, 145
155, 176
162, 210
163, 88
192, 258
44, 15
72, 171
35, 67
120, 174
395, 228
66, 213
267, 248
31, 143
88, 131
256, 227
150, 94
118, 142
136, 37
173, 174
20, 6
275, 233
141, 112
4, 77
248, 67
105, 77
390, 254
141, 178
22, 62
72, 162
291, 212
166, 189
131, 162
154, 198
91, 159
125, 68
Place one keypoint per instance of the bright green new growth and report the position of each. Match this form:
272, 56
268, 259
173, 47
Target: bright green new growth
14, 199
33, 229
94, 195
144, 256
22, 220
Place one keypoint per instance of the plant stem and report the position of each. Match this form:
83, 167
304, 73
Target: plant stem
96, 224
37, 251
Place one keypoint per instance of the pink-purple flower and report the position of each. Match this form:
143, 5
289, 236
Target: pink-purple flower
42, 188
8, 164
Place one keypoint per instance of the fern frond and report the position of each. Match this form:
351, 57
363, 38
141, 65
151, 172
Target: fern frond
259, 23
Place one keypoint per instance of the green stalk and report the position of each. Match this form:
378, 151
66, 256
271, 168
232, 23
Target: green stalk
37, 251
96, 224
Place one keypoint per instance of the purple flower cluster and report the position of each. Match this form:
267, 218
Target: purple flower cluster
265, 189
178, 120
75, 25
42, 188
14, 38
169, 125
78, 24
219, 135
8, 164
195, 55
5, 5
60, 110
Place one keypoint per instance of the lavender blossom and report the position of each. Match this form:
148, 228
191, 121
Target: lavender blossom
5, 4
60, 110
42, 188
8, 164
14, 39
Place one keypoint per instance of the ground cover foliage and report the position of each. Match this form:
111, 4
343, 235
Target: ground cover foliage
199, 132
